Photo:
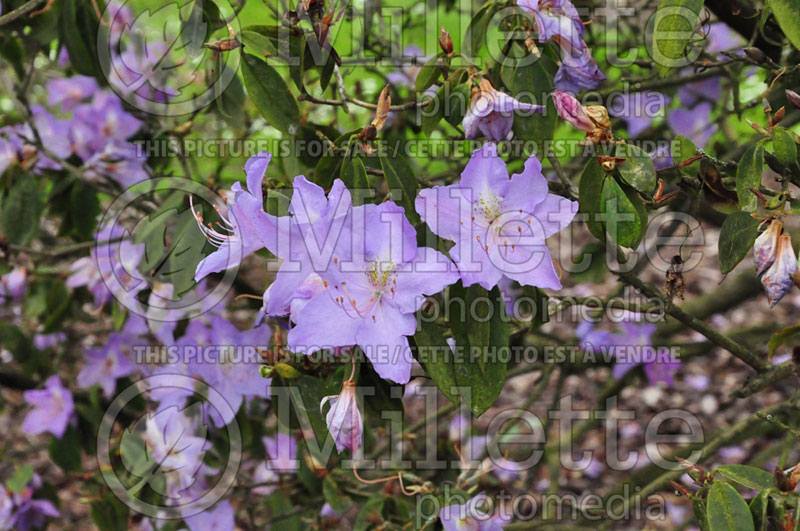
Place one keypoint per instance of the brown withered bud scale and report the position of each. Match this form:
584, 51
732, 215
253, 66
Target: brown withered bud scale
779, 114
793, 97
783, 482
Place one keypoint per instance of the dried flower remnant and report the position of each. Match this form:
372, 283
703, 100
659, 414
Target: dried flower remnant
344, 418
766, 246
491, 113
779, 278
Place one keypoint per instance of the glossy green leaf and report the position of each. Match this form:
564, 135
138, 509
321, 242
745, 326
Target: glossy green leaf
79, 28
526, 81
269, 93
433, 352
787, 12
109, 513
428, 73
625, 219
674, 25
727, 510
785, 148
257, 44
22, 209
402, 182
590, 196
739, 232
475, 36
748, 476
748, 175
638, 169
758, 509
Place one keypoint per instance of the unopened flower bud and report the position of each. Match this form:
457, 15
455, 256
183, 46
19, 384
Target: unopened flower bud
766, 246
783, 482
696, 472
446, 41
779, 278
793, 97
344, 418
571, 110
756, 54
779, 114
382, 110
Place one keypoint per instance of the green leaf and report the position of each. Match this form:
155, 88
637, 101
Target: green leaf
329, 165
675, 21
780, 337
590, 196
638, 169
748, 476
624, 217
257, 44
22, 475
727, 510
475, 36
433, 352
280, 504
400, 178
748, 176
22, 209
433, 113
354, 176
684, 149
477, 320
428, 73
66, 451
700, 514
85, 207
785, 148
758, 509
79, 28
371, 513
109, 514
524, 81
330, 491
739, 232
269, 93
787, 13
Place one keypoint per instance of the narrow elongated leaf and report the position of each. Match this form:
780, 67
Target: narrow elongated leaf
748, 176
435, 355
785, 148
748, 476
674, 25
400, 178
727, 510
526, 81
638, 169
475, 37
79, 32
22, 209
257, 44
758, 508
428, 73
739, 232
787, 12
269, 93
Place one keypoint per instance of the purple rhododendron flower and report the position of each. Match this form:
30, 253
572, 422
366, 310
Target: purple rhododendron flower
694, 123
13, 284
53, 408
67, 92
373, 286
471, 516
499, 224
491, 113
220, 518
344, 418
6, 509
31, 513
45, 341
110, 362
246, 226
630, 352
578, 70
555, 18
638, 109
410, 64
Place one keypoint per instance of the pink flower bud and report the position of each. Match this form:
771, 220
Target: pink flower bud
778, 279
344, 418
766, 245
793, 97
571, 110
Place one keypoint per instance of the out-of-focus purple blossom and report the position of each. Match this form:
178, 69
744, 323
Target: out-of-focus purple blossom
733, 454
662, 156
491, 113
506, 470
282, 452
344, 418
511, 292
411, 62
246, 226
13, 284
106, 364
54, 133
721, 37
698, 382
471, 516
329, 513
638, 109
112, 264
694, 123
595, 469
499, 224
262, 473
31, 513
45, 341
473, 448
67, 92
6, 509
220, 518
779, 278
53, 408
231, 375
706, 90
459, 426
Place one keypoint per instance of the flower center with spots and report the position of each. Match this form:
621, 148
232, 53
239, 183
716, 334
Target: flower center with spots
487, 206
